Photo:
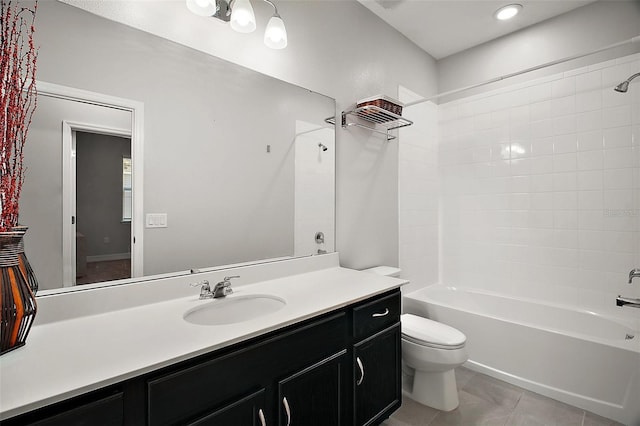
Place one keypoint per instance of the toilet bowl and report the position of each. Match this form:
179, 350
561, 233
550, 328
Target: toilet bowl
430, 352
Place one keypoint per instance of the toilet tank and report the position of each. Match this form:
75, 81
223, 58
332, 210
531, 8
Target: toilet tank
387, 271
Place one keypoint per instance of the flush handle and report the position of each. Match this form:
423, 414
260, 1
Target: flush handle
383, 314
361, 367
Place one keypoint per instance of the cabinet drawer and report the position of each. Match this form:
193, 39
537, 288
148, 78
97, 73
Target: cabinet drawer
106, 411
376, 315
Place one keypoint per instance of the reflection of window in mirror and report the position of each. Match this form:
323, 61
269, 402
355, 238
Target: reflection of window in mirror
126, 189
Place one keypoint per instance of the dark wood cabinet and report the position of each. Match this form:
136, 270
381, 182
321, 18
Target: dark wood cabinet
248, 411
378, 390
306, 374
313, 396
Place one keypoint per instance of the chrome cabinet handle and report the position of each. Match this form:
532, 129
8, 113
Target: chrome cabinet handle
287, 410
385, 313
359, 382
263, 422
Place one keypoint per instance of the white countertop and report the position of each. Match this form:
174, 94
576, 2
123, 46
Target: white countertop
67, 358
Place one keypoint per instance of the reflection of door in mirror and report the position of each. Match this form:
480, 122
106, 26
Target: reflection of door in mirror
58, 188
103, 193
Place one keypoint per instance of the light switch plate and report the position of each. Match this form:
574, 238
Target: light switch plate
156, 220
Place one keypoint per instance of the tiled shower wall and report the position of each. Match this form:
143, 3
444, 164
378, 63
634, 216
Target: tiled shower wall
418, 193
540, 187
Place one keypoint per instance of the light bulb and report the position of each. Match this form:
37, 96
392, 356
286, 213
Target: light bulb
202, 7
275, 36
242, 18
507, 12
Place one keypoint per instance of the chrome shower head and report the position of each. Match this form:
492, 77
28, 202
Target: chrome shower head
324, 148
624, 86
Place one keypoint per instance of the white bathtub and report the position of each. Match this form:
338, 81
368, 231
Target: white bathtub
578, 357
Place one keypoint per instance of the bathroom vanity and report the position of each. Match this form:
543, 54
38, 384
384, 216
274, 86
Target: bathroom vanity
335, 361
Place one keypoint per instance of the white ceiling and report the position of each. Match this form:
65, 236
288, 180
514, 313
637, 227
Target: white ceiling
445, 27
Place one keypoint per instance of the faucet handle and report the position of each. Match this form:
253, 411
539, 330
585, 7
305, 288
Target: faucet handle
228, 279
203, 283
635, 273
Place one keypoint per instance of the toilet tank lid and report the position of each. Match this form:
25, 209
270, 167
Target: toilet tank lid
430, 332
387, 271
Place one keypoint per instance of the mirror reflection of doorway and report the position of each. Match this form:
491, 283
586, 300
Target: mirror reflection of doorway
103, 207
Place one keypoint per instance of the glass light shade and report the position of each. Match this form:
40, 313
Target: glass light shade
508, 12
275, 36
202, 7
242, 18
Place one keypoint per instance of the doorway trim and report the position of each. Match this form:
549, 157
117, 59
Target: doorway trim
136, 134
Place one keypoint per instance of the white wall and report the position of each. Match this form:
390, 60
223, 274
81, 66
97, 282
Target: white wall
338, 48
590, 27
540, 187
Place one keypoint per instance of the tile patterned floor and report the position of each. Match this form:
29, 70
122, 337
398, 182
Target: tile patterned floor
485, 401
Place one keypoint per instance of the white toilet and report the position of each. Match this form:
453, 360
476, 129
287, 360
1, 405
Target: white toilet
430, 352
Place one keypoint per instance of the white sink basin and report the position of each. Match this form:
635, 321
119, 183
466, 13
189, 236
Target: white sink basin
234, 309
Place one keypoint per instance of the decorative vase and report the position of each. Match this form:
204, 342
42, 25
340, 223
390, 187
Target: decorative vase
25, 266
17, 300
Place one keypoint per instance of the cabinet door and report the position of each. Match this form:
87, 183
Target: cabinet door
313, 396
377, 371
107, 411
248, 411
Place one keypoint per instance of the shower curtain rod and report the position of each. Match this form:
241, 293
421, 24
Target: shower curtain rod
526, 70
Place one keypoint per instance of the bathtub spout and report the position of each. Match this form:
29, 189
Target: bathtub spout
627, 301
635, 273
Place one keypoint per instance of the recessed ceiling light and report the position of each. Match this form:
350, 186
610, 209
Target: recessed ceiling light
507, 12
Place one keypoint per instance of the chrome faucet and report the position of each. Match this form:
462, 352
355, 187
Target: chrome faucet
205, 289
627, 301
635, 273
223, 288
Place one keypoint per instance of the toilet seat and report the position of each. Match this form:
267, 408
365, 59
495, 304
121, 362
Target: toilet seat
425, 332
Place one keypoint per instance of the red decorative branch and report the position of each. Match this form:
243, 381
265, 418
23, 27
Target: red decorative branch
18, 98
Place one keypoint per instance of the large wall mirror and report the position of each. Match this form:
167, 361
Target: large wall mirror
235, 166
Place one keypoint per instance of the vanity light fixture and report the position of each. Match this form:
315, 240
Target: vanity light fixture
507, 12
242, 19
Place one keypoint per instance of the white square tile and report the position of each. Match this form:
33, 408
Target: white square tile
541, 200
539, 92
540, 111
588, 81
519, 132
540, 219
617, 116
564, 162
618, 158
542, 183
563, 87
612, 98
541, 129
617, 137
592, 220
588, 141
565, 181
591, 120
618, 178
618, 199
591, 160
588, 101
563, 106
520, 184
520, 149
590, 200
565, 219
519, 201
590, 180
482, 121
540, 165
500, 118
620, 242
542, 146
591, 240
520, 166
565, 200
519, 115
565, 124
565, 143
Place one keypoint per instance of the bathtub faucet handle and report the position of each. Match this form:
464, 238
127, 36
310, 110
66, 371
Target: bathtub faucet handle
635, 273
